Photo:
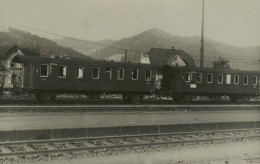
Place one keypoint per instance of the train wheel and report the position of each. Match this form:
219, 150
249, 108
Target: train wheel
177, 99
233, 98
126, 98
45, 98
94, 96
136, 99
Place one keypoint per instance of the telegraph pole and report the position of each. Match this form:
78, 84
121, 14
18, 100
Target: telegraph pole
202, 38
125, 56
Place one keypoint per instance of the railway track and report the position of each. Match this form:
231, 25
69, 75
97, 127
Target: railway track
118, 144
118, 102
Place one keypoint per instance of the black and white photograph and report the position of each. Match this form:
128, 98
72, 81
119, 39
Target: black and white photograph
129, 81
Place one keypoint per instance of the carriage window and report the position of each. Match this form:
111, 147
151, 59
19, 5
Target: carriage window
236, 79
44, 70
148, 75
254, 80
220, 78
79, 72
120, 74
187, 77
199, 77
228, 79
210, 78
108, 71
62, 71
245, 80
193, 75
95, 73
135, 74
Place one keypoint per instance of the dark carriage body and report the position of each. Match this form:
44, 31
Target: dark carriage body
210, 82
52, 75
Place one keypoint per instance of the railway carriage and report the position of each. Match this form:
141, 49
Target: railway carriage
184, 82
47, 77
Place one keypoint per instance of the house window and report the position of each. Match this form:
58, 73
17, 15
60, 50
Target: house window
12, 64
254, 80
148, 75
62, 71
199, 77
220, 78
236, 79
135, 74
108, 71
245, 80
79, 72
210, 78
95, 73
120, 74
187, 77
228, 79
44, 70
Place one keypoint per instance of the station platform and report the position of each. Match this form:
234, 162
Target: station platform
38, 126
33, 121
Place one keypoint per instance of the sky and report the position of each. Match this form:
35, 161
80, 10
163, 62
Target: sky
235, 22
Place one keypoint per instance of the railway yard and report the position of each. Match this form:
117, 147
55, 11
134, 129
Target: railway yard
115, 132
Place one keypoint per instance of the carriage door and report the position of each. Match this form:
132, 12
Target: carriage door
193, 80
28, 75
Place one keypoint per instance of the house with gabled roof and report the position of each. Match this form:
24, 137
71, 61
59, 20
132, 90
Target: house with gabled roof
171, 57
9, 71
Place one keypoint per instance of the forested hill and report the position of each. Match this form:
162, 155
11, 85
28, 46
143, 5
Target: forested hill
239, 57
27, 40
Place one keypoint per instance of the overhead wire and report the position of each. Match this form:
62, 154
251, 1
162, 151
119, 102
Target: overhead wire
43, 31
107, 46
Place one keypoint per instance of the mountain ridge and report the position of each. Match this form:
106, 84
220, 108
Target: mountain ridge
153, 38
27, 40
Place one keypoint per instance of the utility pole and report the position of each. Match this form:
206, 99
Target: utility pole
125, 56
202, 38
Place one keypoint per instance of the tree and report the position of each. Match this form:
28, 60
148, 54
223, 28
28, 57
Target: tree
221, 62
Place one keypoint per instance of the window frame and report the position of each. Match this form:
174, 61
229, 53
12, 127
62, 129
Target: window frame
136, 74
255, 81
230, 81
244, 79
150, 73
97, 72
65, 71
211, 78
197, 77
47, 70
118, 75
221, 78
110, 72
189, 77
235, 79
77, 72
